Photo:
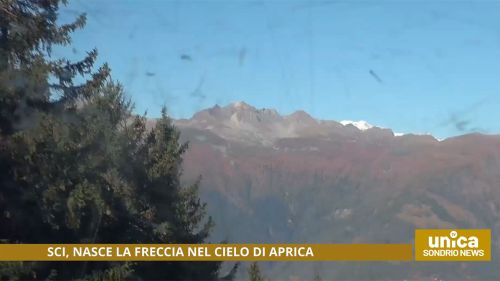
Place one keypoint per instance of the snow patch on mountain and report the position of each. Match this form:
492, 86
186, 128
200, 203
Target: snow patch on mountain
361, 124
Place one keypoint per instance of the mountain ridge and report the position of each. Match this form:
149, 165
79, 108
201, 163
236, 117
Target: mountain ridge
269, 178
242, 122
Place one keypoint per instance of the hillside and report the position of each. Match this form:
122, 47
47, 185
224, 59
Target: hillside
274, 178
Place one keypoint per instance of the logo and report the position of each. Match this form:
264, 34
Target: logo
453, 245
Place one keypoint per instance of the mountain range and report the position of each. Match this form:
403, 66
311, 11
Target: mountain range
292, 178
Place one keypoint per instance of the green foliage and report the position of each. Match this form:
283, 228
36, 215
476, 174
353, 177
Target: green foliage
16, 270
29, 81
116, 273
76, 166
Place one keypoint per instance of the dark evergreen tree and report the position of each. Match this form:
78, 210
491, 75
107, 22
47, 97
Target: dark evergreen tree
77, 166
28, 32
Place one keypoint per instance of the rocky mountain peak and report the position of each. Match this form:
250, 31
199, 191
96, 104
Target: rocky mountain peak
241, 105
242, 122
301, 117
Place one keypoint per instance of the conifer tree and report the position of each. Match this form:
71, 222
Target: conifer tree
76, 166
28, 33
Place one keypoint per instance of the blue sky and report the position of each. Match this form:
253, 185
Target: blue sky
413, 66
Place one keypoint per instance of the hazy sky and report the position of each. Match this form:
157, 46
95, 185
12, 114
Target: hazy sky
414, 66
